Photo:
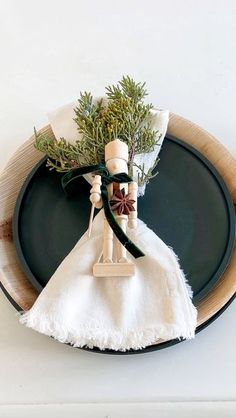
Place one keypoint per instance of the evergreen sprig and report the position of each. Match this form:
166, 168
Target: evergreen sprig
123, 115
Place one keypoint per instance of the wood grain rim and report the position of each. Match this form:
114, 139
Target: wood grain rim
26, 157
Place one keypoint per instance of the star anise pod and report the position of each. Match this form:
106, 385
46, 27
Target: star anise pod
122, 203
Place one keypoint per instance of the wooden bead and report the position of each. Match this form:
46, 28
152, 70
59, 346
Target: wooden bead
95, 192
96, 188
133, 188
97, 179
95, 198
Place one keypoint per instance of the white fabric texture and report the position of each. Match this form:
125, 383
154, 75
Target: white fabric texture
64, 126
118, 313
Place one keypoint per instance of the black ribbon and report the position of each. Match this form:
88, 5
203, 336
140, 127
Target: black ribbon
106, 179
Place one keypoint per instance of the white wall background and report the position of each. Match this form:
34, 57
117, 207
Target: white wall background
49, 51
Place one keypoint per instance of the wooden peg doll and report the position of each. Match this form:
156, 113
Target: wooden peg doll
123, 202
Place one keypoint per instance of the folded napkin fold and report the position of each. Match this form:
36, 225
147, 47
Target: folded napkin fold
118, 313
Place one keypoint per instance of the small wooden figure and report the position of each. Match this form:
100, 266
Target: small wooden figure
123, 201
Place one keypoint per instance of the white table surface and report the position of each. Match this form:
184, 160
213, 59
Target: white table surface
50, 50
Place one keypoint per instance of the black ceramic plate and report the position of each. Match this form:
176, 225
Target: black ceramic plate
187, 204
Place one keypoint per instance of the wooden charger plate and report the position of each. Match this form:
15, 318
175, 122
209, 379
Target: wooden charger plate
14, 281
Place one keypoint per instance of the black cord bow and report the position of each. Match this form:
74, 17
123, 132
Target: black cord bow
106, 179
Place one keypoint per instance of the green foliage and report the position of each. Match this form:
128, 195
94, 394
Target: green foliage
123, 115
143, 176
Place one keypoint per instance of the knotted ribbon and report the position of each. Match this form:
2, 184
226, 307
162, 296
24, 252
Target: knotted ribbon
106, 179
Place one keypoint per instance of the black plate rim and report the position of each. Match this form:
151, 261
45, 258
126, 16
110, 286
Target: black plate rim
15, 227
220, 270
228, 200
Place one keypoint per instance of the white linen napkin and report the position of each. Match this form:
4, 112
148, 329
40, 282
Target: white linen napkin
118, 313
